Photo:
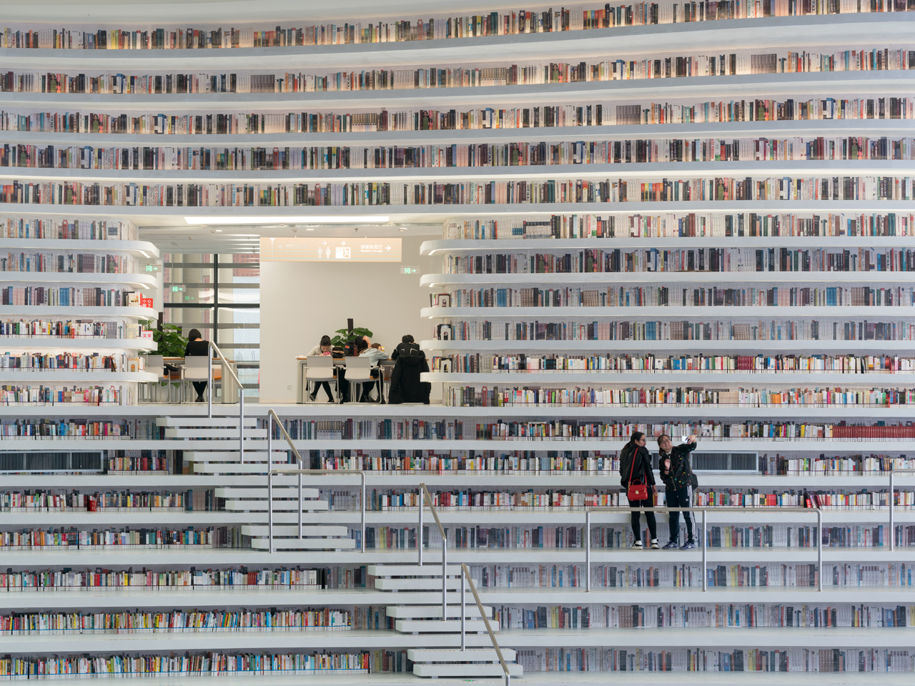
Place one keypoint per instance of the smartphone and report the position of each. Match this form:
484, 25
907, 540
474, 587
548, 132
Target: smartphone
683, 439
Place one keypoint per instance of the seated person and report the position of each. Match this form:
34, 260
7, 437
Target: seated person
375, 353
323, 348
406, 386
197, 346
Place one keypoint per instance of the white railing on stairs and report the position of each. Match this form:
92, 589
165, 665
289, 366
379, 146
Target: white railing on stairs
273, 419
227, 366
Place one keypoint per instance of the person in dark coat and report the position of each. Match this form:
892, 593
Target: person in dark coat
410, 362
197, 346
678, 477
635, 467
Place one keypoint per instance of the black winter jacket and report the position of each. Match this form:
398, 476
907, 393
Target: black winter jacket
641, 472
680, 472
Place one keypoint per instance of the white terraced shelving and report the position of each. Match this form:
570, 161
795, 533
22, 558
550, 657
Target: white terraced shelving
525, 586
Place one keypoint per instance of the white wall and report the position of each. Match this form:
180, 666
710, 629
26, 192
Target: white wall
300, 301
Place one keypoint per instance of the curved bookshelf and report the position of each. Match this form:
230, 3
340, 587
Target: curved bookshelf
141, 248
674, 277
663, 312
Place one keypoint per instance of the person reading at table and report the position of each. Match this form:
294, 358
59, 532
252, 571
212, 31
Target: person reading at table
324, 348
197, 346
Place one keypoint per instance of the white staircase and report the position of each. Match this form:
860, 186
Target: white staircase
215, 451
478, 659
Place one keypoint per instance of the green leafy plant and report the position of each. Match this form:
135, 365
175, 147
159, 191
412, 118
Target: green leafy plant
345, 336
170, 341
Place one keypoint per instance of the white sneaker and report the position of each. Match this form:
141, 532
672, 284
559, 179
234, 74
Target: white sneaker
654, 544
636, 545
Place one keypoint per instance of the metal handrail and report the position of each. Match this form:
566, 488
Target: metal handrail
704, 511
424, 494
241, 396
273, 417
467, 580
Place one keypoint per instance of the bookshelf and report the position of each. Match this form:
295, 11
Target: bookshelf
466, 121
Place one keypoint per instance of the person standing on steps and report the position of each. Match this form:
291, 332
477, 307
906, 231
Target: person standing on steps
197, 346
678, 478
637, 478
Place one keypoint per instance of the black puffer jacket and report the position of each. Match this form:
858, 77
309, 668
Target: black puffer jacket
641, 471
681, 473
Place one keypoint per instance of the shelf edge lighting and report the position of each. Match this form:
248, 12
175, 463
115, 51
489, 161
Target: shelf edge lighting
298, 219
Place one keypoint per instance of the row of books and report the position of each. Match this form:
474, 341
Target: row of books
76, 263
735, 63
704, 429
70, 329
648, 362
182, 664
100, 539
582, 16
617, 260
862, 499
72, 361
65, 296
146, 461
687, 224
66, 228
455, 155
823, 465
189, 500
135, 621
28, 394
170, 578
658, 396
826, 660
60, 427
746, 615
719, 189
470, 118
802, 330
663, 296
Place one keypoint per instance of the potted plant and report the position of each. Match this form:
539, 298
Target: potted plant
170, 343
346, 336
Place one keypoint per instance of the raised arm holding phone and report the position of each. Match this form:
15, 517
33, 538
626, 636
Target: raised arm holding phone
678, 478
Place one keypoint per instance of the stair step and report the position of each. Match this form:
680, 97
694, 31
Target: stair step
458, 655
279, 492
251, 457
292, 530
435, 611
249, 467
431, 568
279, 506
383, 584
460, 670
304, 544
186, 422
221, 432
441, 626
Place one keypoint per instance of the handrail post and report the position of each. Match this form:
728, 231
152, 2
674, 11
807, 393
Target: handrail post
892, 507
704, 552
419, 528
485, 618
301, 505
270, 508
362, 514
588, 550
209, 383
463, 609
241, 426
444, 578
819, 549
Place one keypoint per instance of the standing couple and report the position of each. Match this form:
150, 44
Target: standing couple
637, 478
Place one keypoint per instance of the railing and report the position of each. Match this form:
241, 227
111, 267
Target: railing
273, 418
226, 366
466, 580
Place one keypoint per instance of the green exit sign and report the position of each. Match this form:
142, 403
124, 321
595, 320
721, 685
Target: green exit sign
177, 289
408, 270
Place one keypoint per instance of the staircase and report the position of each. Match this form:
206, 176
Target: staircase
215, 451
413, 616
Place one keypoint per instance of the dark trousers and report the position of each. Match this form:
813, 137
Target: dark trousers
326, 386
679, 497
649, 517
200, 387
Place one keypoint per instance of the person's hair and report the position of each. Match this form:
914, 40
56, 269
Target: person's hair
377, 346
662, 437
361, 344
406, 338
636, 436
193, 335
325, 340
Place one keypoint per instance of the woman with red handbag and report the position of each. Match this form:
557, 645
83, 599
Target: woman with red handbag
637, 477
